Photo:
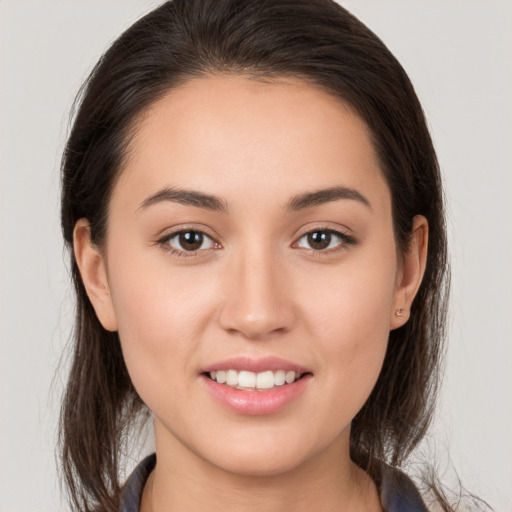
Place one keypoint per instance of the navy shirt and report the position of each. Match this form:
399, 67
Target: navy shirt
397, 492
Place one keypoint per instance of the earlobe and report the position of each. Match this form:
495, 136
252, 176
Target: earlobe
92, 267
411, 273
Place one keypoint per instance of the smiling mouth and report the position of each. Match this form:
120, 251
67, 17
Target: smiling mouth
251, 381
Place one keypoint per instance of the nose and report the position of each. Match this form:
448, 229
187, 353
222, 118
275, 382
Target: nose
258, 303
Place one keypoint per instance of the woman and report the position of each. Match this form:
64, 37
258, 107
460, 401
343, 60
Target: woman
255, 214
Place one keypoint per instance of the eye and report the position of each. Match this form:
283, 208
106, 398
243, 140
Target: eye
188, 240
323, 240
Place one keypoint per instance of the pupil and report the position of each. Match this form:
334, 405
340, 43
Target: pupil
319, 239
191, 240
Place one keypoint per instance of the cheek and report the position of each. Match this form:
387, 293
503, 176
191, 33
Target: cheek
161, 315
349, 318
352, 301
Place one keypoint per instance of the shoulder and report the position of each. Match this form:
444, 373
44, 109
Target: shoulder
132, 490
398, 492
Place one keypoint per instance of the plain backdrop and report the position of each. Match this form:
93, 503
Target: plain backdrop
458, 54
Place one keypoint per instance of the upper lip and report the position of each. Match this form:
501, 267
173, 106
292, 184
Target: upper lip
255, 364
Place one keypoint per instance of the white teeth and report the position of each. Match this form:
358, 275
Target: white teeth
265, 380
290, 377
232, 378
250, 380
280, 377
246, 379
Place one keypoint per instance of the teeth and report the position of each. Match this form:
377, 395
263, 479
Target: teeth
246, 379
250, 380
280, 377
265, 380
232, 378
289, 377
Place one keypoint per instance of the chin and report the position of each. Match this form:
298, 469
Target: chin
260, 466
260, 458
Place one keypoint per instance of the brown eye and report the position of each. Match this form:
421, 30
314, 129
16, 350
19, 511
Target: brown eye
323, 239
319, 240
190, 241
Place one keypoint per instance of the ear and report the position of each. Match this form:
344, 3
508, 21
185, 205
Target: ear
92, 266
411, 273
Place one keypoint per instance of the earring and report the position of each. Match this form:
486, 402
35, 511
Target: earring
398, 312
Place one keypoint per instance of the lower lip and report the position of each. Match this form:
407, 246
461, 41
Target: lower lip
256, 403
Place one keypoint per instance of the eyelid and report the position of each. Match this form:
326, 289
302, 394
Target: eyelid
347, 239
346, 236
163, 239
311, 227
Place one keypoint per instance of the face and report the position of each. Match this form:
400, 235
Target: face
250, 238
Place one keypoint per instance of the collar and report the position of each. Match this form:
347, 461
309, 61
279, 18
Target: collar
397, 491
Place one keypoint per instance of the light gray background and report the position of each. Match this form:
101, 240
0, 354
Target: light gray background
459, 56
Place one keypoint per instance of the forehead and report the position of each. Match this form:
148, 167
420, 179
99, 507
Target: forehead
231, 132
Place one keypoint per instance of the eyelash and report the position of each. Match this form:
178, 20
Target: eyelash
164, 242
345, 240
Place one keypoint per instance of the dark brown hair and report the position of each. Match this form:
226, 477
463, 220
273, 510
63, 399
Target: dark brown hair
316, 41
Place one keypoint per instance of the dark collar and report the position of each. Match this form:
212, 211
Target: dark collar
397, 492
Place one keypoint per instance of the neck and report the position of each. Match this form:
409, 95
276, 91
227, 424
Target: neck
328, 481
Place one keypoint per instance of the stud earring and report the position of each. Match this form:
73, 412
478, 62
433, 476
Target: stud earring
398, 312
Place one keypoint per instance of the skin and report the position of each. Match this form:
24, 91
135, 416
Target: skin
256, 289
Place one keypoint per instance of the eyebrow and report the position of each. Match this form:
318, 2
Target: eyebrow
326, 195
213, 203
186, 197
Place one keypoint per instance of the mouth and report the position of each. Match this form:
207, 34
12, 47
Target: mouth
251, 381
256, 386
